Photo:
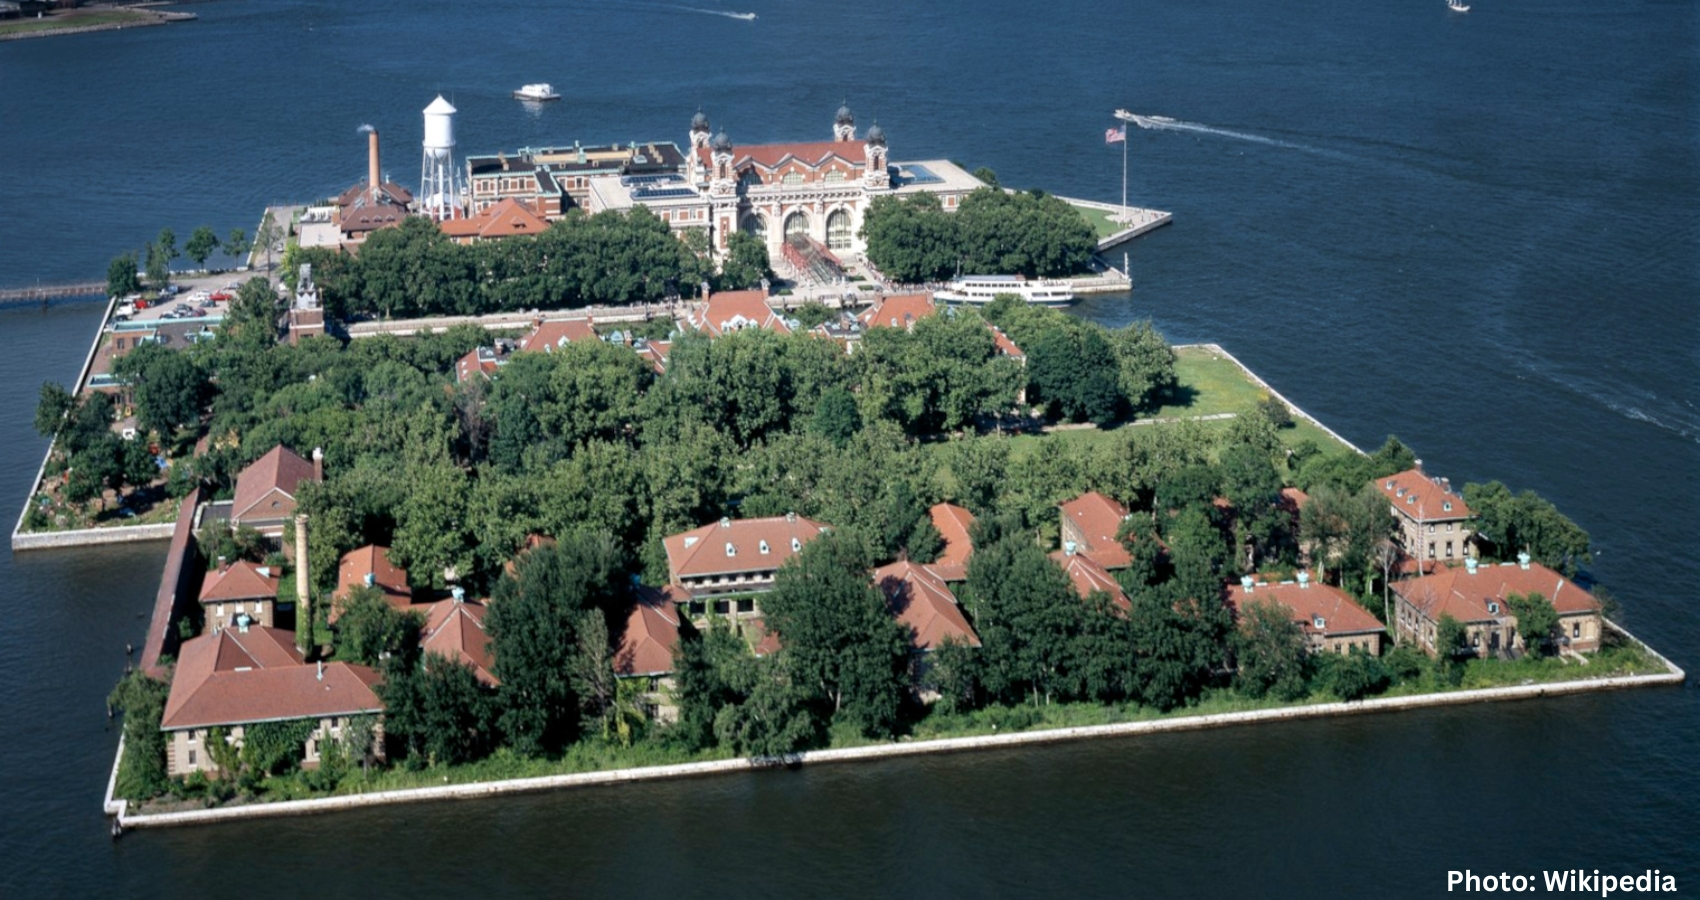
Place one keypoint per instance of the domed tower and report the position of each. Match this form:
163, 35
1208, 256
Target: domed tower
844, 126
699, 131
875, 175
725, 181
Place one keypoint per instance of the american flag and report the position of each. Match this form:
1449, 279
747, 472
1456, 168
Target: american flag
1115, 135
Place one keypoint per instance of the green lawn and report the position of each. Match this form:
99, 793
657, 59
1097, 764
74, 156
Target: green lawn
79, 19
1100, 220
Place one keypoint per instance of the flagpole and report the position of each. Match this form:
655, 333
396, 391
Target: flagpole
1124, 171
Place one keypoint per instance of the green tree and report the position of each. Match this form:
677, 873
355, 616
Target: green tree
1027, 614
157, 266
533, 626
1352, 676
1526, 522
202, 242
141, 700
167, 244
840, 638
746, 263
236, 244
439, 711
253, 314
1271, 650
1537, 621
51, 410
368, 630
1145, 365
706, 679
835, 416
1451, 647
121, 277
168, 387
269, 234
1073, 371
432, 534
774, 719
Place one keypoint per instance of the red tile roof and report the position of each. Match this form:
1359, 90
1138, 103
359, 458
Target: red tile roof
242, 580
920, 600
771, 156
1088, 576
735, 310
1340, 614
240, 677
702, 551
1465, 596
898, 311
652, 631
485, 361
1417, 496
953, 523
454, 630
1005, 346
558, 333
656, 352
371, 560
281, 469
505, 218
1099, 518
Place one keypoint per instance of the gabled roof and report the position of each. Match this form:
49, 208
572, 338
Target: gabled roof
1005, 346
1339, 613
1464, 595
1099, 518
655, 353
704, 551
1088, 576
505, 218
898, 311
652, 631
735, 310
1415, 495
371, 560
481, 361
389, 190
240, 677
555, 333
810, 153
952, 522
242, 580
454, 629
920, 600
281, 469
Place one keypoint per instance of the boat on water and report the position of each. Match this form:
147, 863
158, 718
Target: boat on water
537, 92
748, 17
979, 290
1457, 5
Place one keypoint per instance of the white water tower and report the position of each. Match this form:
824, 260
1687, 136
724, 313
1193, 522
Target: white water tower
439, 191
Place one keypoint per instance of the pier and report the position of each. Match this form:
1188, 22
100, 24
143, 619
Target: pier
42, 293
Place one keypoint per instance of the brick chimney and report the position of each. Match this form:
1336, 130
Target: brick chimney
301, 568
319, 464
372, 176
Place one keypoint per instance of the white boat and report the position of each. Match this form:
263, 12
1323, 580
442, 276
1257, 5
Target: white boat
538, 92
1457, 5
978, 290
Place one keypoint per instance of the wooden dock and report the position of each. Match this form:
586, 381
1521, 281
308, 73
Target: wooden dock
42, 293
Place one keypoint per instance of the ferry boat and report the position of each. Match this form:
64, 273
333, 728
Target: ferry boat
979, 290
1457, 5
537, 92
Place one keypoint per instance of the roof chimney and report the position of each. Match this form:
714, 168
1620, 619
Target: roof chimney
1470, 564
459, 593
1523, 560
223, 563
321, 670
1068, 548
301, 564
1304, 579
790, 517
319, 464
725, 521
372, 177
1417, 464
371, 579
1247, 583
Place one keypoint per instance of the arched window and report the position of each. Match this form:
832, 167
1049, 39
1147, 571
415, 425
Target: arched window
838, 235
753, 223
795, 224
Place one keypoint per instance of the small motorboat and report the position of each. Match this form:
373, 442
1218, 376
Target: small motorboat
537, 93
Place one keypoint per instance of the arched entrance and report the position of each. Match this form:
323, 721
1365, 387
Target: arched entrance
838, 234
753, 223
796, 224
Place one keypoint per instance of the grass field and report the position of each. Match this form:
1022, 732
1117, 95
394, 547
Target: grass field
75, 19
1100, 220
1210, 384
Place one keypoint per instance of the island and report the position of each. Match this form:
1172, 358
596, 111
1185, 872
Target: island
531, 496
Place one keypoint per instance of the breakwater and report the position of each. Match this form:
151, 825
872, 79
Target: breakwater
125, 819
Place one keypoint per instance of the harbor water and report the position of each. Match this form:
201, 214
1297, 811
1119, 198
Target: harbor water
1480, 232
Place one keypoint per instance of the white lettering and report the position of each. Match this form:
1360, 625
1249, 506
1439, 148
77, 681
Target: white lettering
1453, 878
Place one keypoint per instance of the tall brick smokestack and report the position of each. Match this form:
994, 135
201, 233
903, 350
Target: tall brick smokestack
372, 175
303, 613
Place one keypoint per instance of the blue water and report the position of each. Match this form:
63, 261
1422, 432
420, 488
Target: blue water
1480, 232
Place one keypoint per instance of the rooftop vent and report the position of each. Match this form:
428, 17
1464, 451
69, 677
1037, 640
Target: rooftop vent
1247, 582
764, 548
1470, 564
371, 579
730, 549
1523, 560
1304, 579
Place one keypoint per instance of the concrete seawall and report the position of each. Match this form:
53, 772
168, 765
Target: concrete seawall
120, 808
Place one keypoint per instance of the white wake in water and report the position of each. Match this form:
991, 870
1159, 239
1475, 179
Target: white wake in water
747, 16
1164, 123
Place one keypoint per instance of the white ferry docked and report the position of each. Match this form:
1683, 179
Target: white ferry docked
979, 290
